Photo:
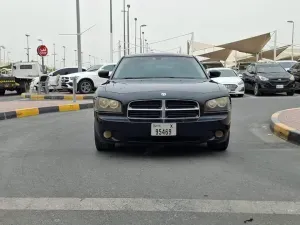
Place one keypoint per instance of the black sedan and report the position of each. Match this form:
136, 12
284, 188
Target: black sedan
161, 99
268, 77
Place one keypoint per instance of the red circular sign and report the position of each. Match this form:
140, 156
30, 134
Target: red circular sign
42, 50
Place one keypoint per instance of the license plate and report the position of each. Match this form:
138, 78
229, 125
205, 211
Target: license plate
279, 86
163, 129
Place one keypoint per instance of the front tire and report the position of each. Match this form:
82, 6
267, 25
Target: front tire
257, 92
291, 93
221, 146
85, 87
100, 146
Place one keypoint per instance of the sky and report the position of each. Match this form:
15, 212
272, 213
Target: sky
212, 21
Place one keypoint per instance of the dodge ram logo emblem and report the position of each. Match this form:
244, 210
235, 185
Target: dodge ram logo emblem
163, 94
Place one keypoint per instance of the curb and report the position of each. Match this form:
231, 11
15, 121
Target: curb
56, 97
20, 113
283, 131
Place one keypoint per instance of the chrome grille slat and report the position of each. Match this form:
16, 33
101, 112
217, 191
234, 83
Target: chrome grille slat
168, 109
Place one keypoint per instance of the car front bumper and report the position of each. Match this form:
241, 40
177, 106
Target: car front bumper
239, 90
125, 131
266, 87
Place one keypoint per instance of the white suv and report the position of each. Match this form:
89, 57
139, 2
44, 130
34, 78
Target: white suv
86, 81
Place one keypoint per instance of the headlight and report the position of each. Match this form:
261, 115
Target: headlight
107, 105
241, 82
218, 104
292, 77
263, 78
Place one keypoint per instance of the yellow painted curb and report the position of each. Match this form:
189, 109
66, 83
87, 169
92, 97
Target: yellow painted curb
69, 107
27, 112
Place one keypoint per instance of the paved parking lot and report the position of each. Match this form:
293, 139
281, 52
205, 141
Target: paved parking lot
50, 161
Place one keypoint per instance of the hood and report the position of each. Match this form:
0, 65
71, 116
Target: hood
161, 85
275, 75
227, 80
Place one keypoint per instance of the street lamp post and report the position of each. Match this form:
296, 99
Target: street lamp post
111, 34
75, 57
293, 29
64, 59
27, 37
128, 36
78, 38
143, 43
135, 23
143, 25
124, 26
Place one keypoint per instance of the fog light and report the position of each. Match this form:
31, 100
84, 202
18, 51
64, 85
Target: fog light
219, 134
107, 134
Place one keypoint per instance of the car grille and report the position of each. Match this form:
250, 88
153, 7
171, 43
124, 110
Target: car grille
231, 87
163, 110
283, 81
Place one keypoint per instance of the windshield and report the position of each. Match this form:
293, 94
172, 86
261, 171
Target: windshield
212, 65
227, 73
270, 68
159, 67
94, 68
287, 64
243, 66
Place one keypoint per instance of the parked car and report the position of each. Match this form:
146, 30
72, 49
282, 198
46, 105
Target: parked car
161, 99
295, 71
53, 77
287, 64
88, 81
268, 77
230, 79
212, 64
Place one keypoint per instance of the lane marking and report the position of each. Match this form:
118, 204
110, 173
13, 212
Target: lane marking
151, 205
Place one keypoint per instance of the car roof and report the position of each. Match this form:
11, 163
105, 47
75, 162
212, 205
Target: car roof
286, 61
158, 55
266, 63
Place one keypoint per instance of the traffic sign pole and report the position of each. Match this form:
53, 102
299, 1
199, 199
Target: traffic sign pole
42, 51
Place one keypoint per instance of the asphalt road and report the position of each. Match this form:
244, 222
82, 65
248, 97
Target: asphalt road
10, 96
50, 173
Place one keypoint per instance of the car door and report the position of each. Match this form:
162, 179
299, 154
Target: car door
52, 77
252, 77
246, 77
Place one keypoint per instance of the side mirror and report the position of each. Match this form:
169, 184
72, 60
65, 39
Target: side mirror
103, 74
214, 73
